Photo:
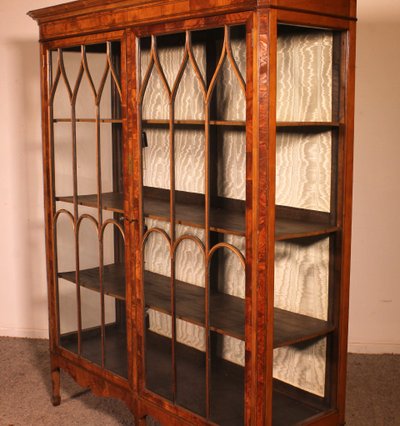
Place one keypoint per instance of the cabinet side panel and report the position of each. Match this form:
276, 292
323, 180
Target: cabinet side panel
49, 201
346, 217
263, 178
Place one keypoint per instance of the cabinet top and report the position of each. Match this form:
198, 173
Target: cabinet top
89, 15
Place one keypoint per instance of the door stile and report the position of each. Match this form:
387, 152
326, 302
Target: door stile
133, 207
50, 236
264, 215
251, 218
270, 188
49, 203
128, 118
337, 199
346, 219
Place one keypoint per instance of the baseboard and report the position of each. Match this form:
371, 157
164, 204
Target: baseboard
30, 333
374, 347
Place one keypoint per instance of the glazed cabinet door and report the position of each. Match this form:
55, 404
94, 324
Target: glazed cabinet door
310, 196
85, 201
191, 102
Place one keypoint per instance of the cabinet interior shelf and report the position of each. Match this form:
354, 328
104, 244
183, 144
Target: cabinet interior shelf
227, 377
195, 123
291, 229
234, 123
115, 347
201, 123
227, 382
307, 124
113, 279
222, 220
111, 201
88, 120
226, 312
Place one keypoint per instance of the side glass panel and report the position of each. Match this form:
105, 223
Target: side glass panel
86, 136
192, 106
308, 123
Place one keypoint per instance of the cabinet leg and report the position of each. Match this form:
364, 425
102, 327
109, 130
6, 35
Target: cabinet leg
55, 387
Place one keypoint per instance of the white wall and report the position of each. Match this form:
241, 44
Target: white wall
375, 285
23, 306
375, 291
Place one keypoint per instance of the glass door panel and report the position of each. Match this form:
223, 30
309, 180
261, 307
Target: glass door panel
193, 111
308, 123
86, 136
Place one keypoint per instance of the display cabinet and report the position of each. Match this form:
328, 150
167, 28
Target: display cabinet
198, 167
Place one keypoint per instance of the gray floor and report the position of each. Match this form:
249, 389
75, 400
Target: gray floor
373, 391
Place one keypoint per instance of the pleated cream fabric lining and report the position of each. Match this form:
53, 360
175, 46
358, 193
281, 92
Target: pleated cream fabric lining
303, 164
303, 180
304, 75
301, 286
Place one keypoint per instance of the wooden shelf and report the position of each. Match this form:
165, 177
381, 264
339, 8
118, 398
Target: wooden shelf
287, 411
227, 313
222, 220
307, 124
201, 123
88, 120
231, 123
116, 358
113, 280
289, 229
291, 328
226, 221
227, 385
227, 379
112, 201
